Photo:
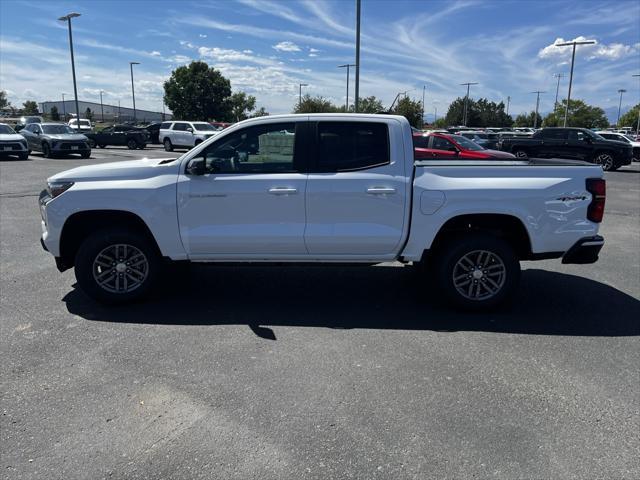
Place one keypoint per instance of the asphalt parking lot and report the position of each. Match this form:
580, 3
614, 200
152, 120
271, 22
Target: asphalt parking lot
321, 372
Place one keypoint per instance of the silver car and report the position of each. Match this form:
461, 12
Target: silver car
54, 139
11, 143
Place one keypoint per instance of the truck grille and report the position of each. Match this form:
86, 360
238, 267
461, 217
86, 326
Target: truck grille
12, 145
67, 146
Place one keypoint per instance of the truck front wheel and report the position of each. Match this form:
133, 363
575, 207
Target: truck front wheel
117, 266
477, 271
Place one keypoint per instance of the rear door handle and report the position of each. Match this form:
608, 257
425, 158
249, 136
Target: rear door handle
380, 190
282, 190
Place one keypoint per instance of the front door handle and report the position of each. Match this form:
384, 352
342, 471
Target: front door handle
381, 190
283, 190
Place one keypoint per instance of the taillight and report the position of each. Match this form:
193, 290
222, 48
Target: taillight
598, 189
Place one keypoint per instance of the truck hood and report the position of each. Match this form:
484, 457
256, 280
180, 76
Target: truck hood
128, 170
11, 137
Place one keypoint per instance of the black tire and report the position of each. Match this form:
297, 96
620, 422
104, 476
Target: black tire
92, 143
132, 144
605, 160
167, 145
102, 145
99, 242
521, 154
503, 270
23, 156
86, 154
142, 146
46, 150
197, 142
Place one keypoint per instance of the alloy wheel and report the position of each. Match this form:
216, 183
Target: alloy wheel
120, 268
605, 160
479, 275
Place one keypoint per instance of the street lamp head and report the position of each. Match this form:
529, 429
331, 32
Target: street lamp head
304, 84
566, 44
69, 16
622, 90
134, 63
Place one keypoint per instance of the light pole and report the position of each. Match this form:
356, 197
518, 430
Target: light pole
300, 85
101, 107
555, 104
347, 65
508, 102
67, 18
435, 114
535, 118
64, 108
424, 87
466, 99
133, 93
573, 57
118, 111
638, 124
621, 91
356, 100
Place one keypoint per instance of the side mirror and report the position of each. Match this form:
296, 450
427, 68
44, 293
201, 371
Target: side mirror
190, 130
37, 132
196, 166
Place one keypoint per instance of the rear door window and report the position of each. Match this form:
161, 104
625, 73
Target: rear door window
165, 125
349, 146
440, 143
554, 134
181, 127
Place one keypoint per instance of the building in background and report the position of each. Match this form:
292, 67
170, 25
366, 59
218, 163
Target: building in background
112, 113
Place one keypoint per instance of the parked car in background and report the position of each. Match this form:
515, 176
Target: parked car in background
321, 189
571, 143
484, 139
12, 143
436, 146
221, 125
118, 135
185, 134
26, 120
83, 124
625, 138
54, 139
153, 131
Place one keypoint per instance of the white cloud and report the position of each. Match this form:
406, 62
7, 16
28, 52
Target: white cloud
314, 50
248, 52
155, 53
613, 51
313, 54
286, 47
202, 35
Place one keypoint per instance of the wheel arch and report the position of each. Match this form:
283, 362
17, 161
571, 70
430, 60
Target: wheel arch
81, 224
506, 226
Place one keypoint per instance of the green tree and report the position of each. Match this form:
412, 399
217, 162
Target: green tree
580, 115
30, 108
55, 116
368, 105
630, 119
528, 120
318, 104
4, 103
261, 112
198, 92
440, 123
411, 110
241, 106
480, 113
88, 114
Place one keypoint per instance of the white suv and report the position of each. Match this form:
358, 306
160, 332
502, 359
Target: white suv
82, 124
185, 134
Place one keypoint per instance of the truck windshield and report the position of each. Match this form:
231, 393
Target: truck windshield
466, 143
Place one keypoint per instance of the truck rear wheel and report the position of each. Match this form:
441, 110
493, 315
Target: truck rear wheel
521, 154
605, 160
477, 271
117, 265
167, 145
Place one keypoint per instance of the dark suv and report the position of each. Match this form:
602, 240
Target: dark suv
572, 143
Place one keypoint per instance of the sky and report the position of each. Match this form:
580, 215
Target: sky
268, 47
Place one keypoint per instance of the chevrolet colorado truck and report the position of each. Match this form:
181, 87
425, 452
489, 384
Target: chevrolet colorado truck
332, 188
570, 143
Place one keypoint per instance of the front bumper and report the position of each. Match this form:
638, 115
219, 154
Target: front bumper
70, 147
584, 251
12, 148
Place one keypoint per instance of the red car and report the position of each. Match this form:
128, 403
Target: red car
434, 146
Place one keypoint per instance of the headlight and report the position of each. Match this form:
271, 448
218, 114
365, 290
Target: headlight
56, 188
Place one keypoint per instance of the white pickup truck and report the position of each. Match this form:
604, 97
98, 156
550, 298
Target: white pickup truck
334, 188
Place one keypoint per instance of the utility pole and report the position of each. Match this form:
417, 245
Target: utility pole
621, 91
67, 18
118, 111
508, 102
573, 58
466, 100
300, 85
424, 87
64, 108
357, 99
133, 92
346, 103
638, 124
555, 104
435, 115
101, 106
535, 117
